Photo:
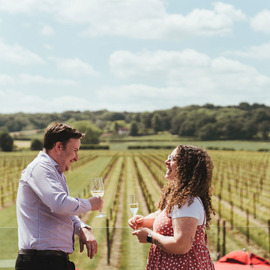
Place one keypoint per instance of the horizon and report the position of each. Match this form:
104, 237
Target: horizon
125, 111
108, 56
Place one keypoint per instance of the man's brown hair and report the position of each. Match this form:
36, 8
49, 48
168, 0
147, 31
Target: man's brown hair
59, 132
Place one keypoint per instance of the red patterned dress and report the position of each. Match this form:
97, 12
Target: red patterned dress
198, 257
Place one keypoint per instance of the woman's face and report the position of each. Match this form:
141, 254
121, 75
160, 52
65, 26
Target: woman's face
171, 165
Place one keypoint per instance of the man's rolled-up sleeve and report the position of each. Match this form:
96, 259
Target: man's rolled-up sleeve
47, 187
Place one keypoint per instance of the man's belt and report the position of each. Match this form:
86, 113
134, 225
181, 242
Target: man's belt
33, 252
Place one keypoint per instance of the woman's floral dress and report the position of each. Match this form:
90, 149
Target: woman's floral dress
198, 257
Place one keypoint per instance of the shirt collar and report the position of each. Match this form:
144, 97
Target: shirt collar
55, 164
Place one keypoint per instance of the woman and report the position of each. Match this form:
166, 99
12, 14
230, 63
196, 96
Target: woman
177, 229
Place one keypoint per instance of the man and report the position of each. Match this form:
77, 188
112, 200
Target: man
47, 215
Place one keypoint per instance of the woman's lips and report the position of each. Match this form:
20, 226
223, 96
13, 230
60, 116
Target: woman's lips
169, 170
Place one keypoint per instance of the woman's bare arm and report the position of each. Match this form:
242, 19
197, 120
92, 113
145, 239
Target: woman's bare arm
180, 243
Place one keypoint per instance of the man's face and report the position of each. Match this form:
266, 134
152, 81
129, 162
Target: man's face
68, 154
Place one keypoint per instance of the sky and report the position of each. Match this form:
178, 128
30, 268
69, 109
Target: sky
132, 55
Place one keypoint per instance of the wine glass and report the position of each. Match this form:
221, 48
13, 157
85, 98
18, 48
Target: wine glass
97, 189
133, 204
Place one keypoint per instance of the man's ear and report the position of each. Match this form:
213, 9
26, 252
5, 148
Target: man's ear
58, 146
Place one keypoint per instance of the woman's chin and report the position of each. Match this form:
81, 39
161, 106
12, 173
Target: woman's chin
169, 177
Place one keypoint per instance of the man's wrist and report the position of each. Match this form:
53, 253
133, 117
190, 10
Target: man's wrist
85, 227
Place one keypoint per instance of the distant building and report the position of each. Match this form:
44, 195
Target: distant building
106, 134
123, 131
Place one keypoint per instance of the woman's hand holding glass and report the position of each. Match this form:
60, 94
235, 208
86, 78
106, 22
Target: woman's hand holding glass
141, 221
136, 222
142, 234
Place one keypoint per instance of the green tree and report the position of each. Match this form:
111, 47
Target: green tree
6, 142
36, 144
178, 120
116, 127
156, 123
264, 128
133, 129
92, 133
145, 119
208, 132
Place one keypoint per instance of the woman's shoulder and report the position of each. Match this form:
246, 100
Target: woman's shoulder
197, 201
193, 209
192, 203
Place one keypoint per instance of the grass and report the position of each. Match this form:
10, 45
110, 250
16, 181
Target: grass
98, 224
78, 178
9, 237
120, 143
131, 248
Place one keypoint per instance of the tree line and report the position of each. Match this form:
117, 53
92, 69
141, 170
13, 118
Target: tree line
208, 122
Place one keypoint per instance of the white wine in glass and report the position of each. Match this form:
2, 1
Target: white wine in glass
133, 204
97, 189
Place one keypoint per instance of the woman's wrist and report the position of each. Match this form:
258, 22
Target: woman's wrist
149, 238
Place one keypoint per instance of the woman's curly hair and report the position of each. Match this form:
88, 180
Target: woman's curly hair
193, 179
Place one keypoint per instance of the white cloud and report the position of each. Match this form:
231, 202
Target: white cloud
261, 22
74, 66
254, 52
126, 64
17, 55
25, 6
26, 79
172, 65
142, 19
30, 79
153, 21
190, 70
139, 97
46, 30
34, 103
6, 79
47, 46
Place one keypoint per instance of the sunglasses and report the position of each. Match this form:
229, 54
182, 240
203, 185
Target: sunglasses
171, 158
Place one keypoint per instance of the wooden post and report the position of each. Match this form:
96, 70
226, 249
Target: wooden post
269, 235
247, 226
254, 205
224, 238
2, 196
218, 239
231, 215
229, 190
13, 192
261, 183
108, 242
241, 198
219, 204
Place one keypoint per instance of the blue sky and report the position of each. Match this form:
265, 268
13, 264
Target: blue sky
132, 55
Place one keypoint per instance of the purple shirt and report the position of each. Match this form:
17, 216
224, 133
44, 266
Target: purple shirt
46, 214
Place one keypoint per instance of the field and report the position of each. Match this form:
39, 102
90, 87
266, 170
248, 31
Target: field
241, 198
